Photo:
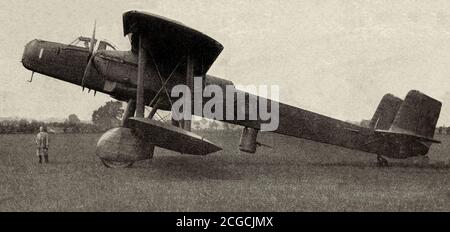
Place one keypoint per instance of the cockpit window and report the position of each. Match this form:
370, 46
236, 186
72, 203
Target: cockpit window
110, 48
83, 42
107, 45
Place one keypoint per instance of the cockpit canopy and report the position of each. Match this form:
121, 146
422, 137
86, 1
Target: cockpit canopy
85, 42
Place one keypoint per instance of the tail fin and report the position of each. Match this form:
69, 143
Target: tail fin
412, 130
418, 116
385, 114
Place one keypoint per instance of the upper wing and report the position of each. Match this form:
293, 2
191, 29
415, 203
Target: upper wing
169, 41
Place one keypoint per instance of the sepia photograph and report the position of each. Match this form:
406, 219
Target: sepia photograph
224, 106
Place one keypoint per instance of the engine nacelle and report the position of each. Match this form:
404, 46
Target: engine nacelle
122, 145
248, 140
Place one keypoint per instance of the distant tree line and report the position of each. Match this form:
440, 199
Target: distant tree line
443, 130
104, 118
23, 126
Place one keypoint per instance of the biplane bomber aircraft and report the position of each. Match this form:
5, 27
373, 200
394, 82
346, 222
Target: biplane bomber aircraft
166, 53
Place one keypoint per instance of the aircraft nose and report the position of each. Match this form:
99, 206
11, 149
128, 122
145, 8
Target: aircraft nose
29, 53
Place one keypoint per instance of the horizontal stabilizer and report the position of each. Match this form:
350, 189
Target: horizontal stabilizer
417, 117
172, 137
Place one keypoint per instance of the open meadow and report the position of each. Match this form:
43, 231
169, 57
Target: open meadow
294, 175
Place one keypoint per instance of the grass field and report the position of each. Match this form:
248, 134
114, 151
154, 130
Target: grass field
296, 175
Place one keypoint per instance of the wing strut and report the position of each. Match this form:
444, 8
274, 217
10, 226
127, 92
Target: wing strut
164, 83
160, 77
129, 112
140, 103
154, 108
190, 85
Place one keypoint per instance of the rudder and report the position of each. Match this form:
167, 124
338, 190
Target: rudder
418, 115
386, 111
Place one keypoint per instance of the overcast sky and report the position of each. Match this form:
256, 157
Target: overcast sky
336, 58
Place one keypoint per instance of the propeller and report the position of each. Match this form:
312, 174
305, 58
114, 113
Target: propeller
92, 45
90, 57
87, 71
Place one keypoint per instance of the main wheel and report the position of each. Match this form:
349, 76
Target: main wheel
116, 164
120, 148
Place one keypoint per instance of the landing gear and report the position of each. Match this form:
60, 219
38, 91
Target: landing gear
129, 142
116, 164
129, 112
382, 162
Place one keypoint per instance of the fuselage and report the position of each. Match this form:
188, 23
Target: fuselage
115, 73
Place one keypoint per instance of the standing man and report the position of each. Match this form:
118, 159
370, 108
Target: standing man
42, 144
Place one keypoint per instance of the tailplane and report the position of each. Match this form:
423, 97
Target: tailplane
406, 127
417, 117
